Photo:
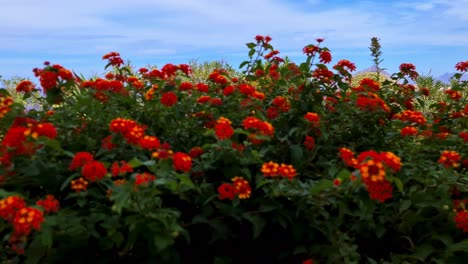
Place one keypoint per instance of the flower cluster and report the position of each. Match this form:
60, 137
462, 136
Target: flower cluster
309, 143
50, 204
280, 104
25, 86
223, 129
313, 118
134, 134
261, 127
9, 206
409, 70
20, 139
5, 104
113, 58
92, 170
411, 117
272, 169
409, 131
103, 87
52, 76
79, 185
117, 170
239, 187
373, 168
369, 101
143, 179
344, 67
464, 135
24, 219
167, 72
181, 162
450, 159
367, 84
348, 157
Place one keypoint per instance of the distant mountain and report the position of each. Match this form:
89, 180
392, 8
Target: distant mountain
372, 69
445, 78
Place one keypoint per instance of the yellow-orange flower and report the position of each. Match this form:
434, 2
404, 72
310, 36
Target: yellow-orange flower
373, 170
79, 185
241, 187
287, 171
270, 169
450, 158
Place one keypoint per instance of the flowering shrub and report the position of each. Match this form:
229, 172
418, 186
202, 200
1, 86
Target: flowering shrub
285, 164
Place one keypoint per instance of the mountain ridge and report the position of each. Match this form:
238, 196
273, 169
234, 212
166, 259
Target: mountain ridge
444, 78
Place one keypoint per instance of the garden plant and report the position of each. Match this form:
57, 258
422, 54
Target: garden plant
283, 163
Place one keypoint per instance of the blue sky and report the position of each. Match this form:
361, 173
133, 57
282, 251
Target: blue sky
431, 34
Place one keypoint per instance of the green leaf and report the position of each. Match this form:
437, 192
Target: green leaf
380, 230
185, 180
262, 182
457, 76
243, 64
257, 222
292, 131
445, 239
405, 205
251, 45
246, 173
162, 241
199, 219
46, 237
135, 162
422, 252
297, 154
421, 102
66, 183
343, 174
398, 184
251, 53
460, 246
149, 163
222, 260
4, 194
241, 131
54, 144
320, 185
266, 207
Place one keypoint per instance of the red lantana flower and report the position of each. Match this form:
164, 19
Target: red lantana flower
226, 191
50, 204
379, 190
9, 206
325, 57
182, 162
462, 66
25, 86
94, 171
461, 220
223, 129
309, 143
143, 179
169, 99
80, 159
409, 131
27, 219
242, 187
450, 158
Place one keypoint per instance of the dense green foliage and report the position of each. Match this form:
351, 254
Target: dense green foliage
281, 164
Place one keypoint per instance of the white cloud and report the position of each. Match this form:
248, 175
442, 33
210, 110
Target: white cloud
141, 28
223, 24
424, 6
